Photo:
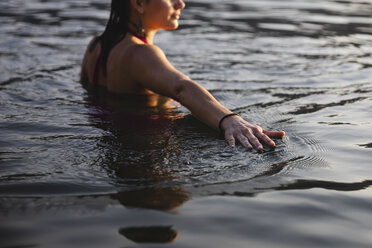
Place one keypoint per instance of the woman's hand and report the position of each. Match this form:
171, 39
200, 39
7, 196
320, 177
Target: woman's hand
249, 135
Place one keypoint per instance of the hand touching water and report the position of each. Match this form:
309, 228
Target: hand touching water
249, 135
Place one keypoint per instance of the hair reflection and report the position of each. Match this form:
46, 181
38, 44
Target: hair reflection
152, 234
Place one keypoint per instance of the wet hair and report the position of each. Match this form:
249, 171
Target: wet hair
116, 28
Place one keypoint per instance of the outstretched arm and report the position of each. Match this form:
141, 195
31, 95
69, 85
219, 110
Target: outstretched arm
152, 70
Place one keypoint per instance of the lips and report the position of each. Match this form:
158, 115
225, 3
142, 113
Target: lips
176, 16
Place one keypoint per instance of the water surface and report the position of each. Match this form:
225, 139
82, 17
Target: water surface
80, 170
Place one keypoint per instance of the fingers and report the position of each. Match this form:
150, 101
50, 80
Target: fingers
230, 139
274, 134
251, 136
264, 138
253, 139
245, 141
240, 137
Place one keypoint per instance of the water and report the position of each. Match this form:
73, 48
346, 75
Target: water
79, 171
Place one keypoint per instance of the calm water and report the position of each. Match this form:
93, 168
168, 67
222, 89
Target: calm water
77, 170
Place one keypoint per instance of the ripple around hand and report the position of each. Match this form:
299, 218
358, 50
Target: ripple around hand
304, 141
294, 155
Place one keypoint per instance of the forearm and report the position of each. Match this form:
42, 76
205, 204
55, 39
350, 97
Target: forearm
201, 103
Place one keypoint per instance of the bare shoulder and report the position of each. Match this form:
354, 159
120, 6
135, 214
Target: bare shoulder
144, 55
88, 52
149, 62
151, 70
91, 45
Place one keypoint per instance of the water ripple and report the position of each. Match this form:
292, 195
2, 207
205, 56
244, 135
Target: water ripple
291, 65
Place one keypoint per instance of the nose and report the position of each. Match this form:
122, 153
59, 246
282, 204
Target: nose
180, 4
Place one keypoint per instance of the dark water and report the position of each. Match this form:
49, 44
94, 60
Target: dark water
79, 171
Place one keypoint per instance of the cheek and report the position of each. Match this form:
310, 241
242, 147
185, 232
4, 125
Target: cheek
162, 8
163, 15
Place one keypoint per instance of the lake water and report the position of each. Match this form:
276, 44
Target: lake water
77, 170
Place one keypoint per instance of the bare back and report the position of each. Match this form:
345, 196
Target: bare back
119, 74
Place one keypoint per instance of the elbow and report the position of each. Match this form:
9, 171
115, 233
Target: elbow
179, 92
183, 89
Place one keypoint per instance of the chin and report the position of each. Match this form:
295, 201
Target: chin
173, 24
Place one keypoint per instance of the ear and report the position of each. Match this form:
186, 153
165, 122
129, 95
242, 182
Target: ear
138, 5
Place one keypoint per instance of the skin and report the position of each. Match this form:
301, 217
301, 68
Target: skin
137, 68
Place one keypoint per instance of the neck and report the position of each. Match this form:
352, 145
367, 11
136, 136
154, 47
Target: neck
139, 37
150, 36
147, 34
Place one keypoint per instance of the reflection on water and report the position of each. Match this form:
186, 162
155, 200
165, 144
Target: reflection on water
109, 170
154, 234
165, 198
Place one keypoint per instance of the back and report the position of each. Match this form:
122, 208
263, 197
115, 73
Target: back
118, 77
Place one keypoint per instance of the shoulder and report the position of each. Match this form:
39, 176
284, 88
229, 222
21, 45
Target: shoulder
93, 43
148, 57
88, 54
142, 53
91, 46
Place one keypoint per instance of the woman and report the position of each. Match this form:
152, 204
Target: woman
124, 60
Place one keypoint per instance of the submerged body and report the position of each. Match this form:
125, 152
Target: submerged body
132, 64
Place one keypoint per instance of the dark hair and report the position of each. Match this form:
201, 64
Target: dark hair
116, 29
